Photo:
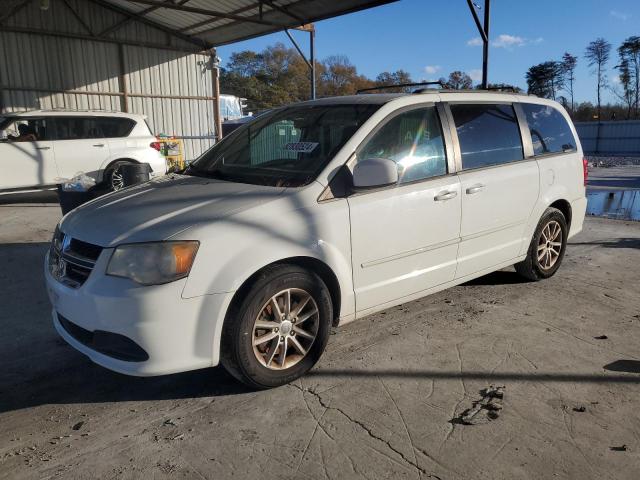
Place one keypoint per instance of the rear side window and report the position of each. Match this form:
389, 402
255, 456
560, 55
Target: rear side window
414, 141
488, 134
550, 132
114, 127
79, 128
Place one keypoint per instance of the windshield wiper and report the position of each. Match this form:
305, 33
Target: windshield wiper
196, 172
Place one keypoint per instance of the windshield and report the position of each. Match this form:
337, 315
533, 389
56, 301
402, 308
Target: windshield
287, 147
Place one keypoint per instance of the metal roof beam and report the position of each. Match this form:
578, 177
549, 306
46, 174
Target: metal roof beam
211, 13
14, 10
215, 19
122, 23
300, 6
151, 23
79, 36
77, 16
286, 11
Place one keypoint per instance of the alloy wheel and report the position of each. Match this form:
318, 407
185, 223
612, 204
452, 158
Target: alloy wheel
117, 180
285, 329
549, 245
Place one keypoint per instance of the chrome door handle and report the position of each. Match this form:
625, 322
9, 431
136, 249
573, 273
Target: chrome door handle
475, 189
43, 148
446, 195
99, 145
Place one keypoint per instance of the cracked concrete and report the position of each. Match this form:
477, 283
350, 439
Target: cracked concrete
378, 405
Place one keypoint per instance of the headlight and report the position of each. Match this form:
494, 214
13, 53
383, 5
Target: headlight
153, 263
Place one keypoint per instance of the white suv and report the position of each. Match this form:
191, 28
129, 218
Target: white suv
37, 147
314, 215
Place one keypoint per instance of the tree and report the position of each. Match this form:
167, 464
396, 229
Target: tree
340, 77
569, 63
458, 81
625, 92
597, 55
393, 78
545, 79
629, 67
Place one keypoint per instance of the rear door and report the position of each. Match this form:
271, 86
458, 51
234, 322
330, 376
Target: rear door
405, 237
29, 163
80, 145
499, 187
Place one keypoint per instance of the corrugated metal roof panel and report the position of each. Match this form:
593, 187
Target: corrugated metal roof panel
192, 17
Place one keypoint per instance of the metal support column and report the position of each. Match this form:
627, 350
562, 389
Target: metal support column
483, 30
485, 46
312, 56
215, 71
122, 80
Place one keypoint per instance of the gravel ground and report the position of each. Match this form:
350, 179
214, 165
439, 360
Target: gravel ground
386, 400
609, 161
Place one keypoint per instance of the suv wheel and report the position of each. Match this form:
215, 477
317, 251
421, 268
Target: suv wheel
113, 177
547, 247
279, 330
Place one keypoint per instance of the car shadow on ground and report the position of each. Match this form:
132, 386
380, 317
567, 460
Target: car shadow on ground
616, 243
629, 366
46, 196
500, 277
41, 369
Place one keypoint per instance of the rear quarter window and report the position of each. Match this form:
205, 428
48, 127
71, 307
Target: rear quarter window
114, 127
488, 134
550, 132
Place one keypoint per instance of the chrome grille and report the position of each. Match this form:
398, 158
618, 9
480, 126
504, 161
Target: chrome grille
71, 260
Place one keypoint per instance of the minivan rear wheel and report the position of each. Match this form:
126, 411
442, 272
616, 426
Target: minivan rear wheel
279, 329
547, 247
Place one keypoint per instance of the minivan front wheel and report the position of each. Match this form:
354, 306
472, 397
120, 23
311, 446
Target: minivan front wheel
279, 329
547, 247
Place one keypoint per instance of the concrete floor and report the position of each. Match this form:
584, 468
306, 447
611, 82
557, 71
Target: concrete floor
384, 401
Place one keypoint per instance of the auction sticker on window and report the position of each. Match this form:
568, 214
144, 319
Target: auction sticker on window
304, 147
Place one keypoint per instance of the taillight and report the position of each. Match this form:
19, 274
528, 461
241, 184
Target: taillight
585, 170
158, 146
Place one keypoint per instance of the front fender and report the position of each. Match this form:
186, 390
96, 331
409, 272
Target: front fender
233, 249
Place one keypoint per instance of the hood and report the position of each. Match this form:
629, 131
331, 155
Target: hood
161, 208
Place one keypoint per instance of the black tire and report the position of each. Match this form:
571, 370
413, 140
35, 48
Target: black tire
110, 172
531, 268
237, 350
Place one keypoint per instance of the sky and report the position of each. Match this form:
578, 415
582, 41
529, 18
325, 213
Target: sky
430, 38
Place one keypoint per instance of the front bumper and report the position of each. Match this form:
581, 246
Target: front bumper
177, 334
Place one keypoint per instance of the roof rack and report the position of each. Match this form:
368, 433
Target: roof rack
401, 85
503, 88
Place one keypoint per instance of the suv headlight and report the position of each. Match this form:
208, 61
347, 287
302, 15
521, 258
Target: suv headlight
153, 263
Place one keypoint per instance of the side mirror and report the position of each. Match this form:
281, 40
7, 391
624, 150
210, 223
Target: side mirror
375, 172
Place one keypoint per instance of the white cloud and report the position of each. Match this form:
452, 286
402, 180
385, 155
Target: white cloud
431, 69
614, 79
475, 74
508, 41
474, 42
619, 15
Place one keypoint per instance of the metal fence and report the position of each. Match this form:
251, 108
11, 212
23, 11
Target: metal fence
615, 138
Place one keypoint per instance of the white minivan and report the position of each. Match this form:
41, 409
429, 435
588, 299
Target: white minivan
39, 147
311, 216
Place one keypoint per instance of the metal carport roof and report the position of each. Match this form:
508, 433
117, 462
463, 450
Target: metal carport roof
212, 23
